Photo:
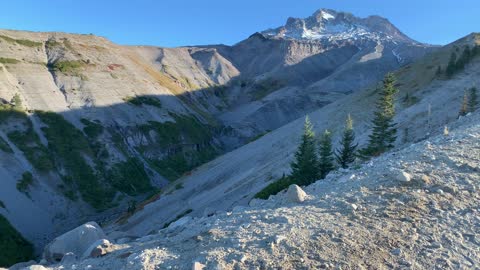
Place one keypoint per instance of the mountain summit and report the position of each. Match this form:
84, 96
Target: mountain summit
330, 24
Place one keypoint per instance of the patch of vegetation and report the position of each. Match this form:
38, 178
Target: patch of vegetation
23, 42
28, 141
188, 139
274, 188
24, 184
177, 218
70, 146
143, 100
458, 63
130, 177
179, 186
266, 87
4, 146
68, 67
52, 43
12, 244
2, 205
174, 166
185, 130
8, 61
92, 129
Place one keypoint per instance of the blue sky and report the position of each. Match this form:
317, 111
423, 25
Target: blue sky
195, 22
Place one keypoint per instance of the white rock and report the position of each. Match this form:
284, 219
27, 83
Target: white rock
403, 176
279, 239
295, 194
354, 206
197, 266
76, 241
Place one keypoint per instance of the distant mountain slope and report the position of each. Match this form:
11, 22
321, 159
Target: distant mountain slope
279, 74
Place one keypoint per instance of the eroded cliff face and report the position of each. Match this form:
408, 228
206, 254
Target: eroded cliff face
95, 125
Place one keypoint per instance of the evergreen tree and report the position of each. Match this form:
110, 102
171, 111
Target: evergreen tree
326, 154
383, 132
305, 165
473, 100
451, 67
346, 154
464, 108
464, 59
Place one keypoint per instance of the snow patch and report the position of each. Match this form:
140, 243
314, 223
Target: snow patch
327, 16
397, 55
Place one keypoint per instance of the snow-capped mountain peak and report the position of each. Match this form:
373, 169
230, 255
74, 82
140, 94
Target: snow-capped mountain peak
330, 24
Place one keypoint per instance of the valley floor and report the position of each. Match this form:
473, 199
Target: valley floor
358, 219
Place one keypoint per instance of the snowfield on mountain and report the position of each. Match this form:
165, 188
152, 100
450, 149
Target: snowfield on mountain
365, 218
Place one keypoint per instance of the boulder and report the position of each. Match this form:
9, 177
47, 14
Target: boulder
76, 241
295, 194
402, 176
98, 249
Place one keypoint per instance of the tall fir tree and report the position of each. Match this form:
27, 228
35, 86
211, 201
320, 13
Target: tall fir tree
473, 100
346, 154
305, 165
464, 108
452, 65
384, 131
326, 155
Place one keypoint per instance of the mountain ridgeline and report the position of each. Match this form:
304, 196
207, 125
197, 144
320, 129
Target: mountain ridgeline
88, 126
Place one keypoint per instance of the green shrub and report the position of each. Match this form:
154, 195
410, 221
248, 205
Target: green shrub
130, 177
8, 61
2, 205
52, 43
14, 248
178, 186
274, 188
143, 100
29, 43
68, 67
92, 129
24, 42
24, 183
